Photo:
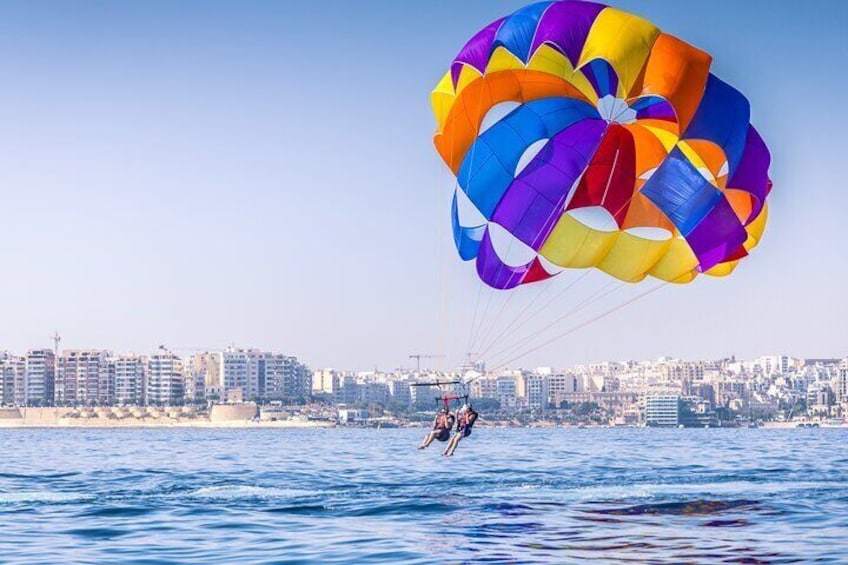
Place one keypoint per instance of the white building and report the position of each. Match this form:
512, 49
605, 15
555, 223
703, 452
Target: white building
507, 388
40, 377
326, 381
206, 369
164, 375
251, 374
129, 379
662, 410
562, 384
842, 384
401, 391
12, 376
84, 377
536, 392
283, 377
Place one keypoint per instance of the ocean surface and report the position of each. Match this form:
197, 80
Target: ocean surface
368, 496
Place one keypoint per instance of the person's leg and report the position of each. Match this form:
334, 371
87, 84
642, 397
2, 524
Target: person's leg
448, 446
427, 440
452, 444
457, 438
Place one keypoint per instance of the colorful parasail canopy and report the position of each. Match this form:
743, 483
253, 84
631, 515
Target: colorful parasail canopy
582, 136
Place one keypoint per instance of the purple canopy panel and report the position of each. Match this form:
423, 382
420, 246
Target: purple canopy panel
752, 173
477, 51
654, 107
495, 272
534, 201
717, 236
565, 26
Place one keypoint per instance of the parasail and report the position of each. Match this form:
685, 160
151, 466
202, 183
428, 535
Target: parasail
582, 136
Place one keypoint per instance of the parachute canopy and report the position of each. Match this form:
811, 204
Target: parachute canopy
582, 136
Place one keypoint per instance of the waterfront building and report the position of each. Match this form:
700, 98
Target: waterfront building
129, 379
12, 378
194, 387
85, 378
348, 415
662, 410
561, 384
820, 399
401, 391
164, 379
507, 391
260, 374
374, 393
616, 403
206, 369
536, 393
485, 387
696, 412
842, 383
326, 381
39, 378
281, 377
348, 391
241, 371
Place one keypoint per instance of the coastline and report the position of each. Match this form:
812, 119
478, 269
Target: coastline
291, 424
220, 416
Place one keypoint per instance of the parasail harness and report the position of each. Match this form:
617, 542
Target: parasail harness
444, 398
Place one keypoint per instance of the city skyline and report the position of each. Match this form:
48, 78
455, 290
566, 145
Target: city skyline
164, 183
100, 377
664, 392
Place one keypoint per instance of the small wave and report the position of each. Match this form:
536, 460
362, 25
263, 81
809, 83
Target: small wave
238, 492
97, 533
116, 512
39, 476
298, 509
41, 497
402, 508
682, 508
740, 488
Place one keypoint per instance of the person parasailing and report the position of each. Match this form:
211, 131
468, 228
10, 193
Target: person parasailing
442, 425
466, 417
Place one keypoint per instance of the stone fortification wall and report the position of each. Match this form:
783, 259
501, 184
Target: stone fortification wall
233, 412
10, 414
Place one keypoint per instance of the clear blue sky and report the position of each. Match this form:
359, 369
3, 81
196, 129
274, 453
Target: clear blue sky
198, 173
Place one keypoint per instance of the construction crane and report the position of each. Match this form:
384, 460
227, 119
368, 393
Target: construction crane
419, 356
56, 338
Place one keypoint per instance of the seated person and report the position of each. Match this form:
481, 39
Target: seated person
467, 417
442, 425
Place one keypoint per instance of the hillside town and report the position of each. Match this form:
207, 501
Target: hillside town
664, 392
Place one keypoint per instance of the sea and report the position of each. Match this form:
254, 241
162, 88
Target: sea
290, 496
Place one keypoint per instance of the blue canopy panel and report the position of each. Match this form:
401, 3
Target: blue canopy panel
490, 164
681, 192
466, 238
518, 30
697, 208
602, 76
723, 118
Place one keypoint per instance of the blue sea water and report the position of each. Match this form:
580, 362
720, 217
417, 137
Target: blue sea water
368, 496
